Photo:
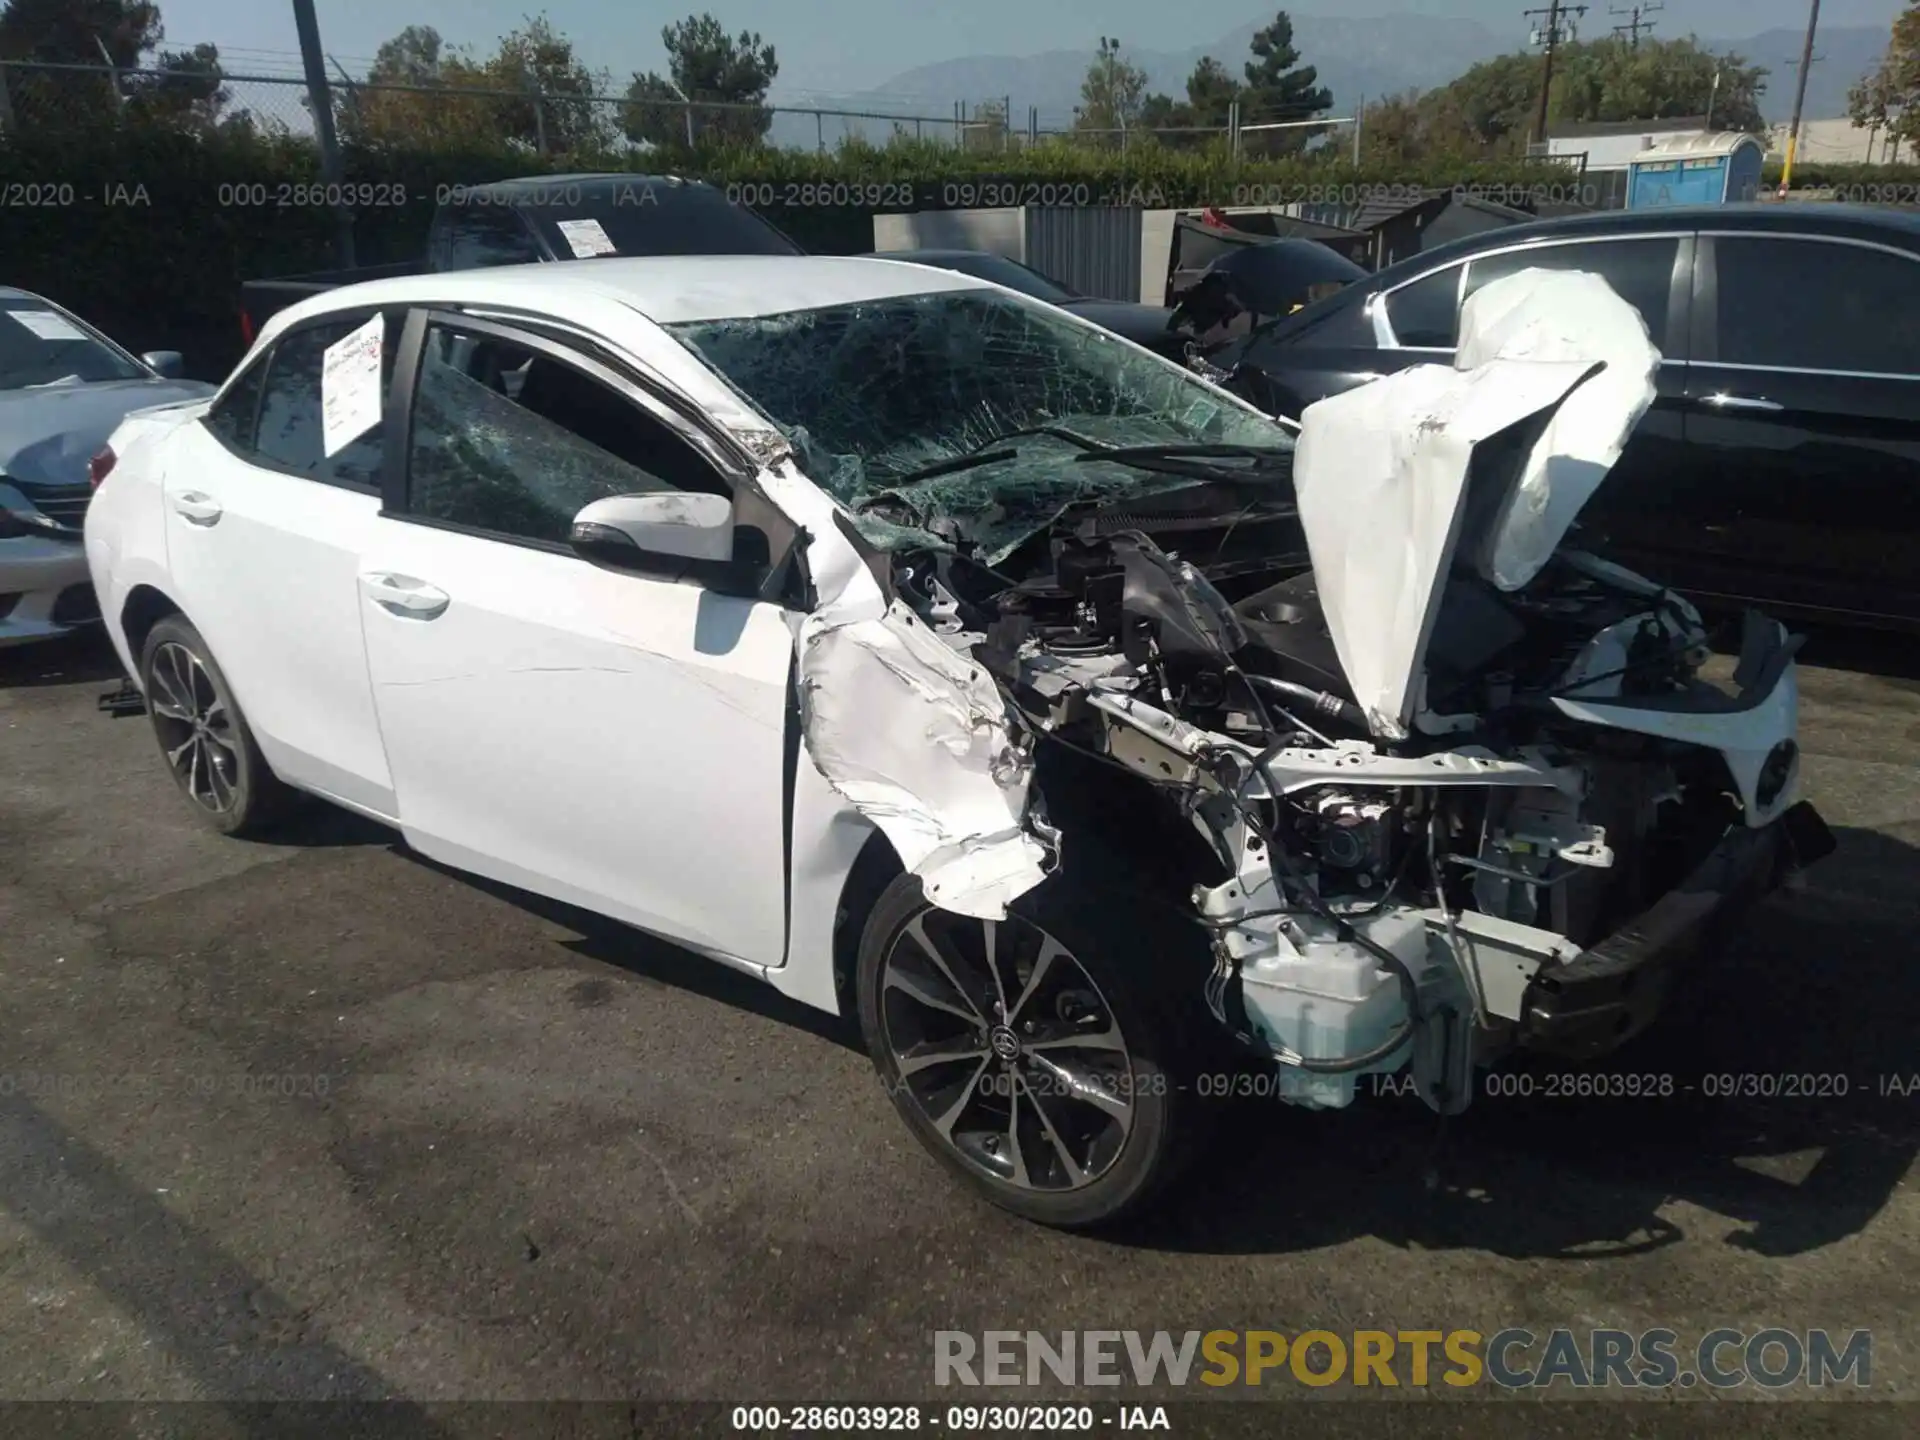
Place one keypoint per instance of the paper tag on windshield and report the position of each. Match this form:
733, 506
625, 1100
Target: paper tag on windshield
350, 400
49, 326
586, 238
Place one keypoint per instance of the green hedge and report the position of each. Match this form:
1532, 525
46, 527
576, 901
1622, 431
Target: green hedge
149, 233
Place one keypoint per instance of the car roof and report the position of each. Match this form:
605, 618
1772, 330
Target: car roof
1805, 217
590, 180
666, 289
8, 292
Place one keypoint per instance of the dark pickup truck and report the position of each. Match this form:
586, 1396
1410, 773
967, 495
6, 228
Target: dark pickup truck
550, 218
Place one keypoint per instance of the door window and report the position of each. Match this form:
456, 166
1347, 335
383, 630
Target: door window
1640, 271
290, 434
476, 237
235, 415
514, 441
1425, 314
1817, 305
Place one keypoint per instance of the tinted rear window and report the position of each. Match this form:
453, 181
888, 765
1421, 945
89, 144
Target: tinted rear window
651, 218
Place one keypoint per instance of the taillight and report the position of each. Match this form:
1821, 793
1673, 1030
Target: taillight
246, 328
101, 466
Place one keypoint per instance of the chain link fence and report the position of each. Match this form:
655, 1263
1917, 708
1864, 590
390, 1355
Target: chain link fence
38, 98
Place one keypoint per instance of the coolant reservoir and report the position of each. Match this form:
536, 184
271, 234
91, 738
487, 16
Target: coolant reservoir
1332, 1000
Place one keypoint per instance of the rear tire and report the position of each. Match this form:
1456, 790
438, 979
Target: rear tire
204, 736
1058, 1090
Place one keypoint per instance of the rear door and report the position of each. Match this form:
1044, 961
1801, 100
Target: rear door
264, 534
1803, 421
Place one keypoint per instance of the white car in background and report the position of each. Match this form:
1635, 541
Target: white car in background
825, 616
63, 388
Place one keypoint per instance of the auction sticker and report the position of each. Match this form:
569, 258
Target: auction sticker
350, 400
587, 238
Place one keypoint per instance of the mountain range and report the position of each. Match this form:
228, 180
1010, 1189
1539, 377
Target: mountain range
1363, 58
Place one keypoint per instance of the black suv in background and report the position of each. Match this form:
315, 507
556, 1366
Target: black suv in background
1781, 462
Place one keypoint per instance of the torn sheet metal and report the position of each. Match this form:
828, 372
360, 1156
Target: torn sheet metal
1383, 473
909, 730
1558, 316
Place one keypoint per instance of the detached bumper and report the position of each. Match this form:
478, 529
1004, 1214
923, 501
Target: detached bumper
45, 589
1610, 993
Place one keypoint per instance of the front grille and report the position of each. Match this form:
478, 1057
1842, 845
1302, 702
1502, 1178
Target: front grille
76, 605
65, 506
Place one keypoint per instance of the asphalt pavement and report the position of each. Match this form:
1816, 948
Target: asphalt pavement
315, 1119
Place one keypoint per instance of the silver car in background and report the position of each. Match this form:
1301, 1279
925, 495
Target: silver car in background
63, 388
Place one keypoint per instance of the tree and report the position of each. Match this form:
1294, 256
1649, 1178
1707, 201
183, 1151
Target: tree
74, 32
716, 71
1211, 92
1489, 111
986, 127
1888, 98
1112, 96
422, 92
189, 92
1280, 89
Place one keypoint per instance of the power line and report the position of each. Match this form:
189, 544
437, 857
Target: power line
1550, 38
1636, 21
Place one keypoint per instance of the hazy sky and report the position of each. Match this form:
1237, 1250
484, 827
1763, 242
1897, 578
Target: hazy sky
859, 44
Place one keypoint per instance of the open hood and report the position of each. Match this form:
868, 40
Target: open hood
1483, 465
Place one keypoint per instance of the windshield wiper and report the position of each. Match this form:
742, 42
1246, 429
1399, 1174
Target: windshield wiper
1180, 459
985, 453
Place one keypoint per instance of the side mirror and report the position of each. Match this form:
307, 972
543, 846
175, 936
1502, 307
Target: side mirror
169, 363
677, 535
666, 524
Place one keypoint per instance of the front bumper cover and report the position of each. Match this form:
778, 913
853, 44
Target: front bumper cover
1606, 995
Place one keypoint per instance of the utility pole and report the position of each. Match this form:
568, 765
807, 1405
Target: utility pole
1551, 39
1799, 97
321, 101
1635, 22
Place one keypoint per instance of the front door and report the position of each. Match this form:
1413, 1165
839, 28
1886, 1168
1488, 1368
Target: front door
610, 739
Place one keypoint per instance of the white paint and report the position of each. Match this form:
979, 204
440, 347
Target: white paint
911, 733
1382, 471
1380, 476
350, 391
586, 238
48, 325
1560, 316
270, 585
612, 740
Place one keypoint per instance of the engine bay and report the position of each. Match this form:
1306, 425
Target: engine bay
1387, 900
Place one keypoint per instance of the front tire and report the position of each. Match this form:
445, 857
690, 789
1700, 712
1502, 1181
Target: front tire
1037, 1057
203, 734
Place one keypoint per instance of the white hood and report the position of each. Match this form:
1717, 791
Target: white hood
1382, 472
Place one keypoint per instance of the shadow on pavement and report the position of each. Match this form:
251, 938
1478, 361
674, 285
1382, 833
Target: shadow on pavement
76, 658
236, 1336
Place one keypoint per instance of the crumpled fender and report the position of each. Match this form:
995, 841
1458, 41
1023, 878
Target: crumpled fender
909, 731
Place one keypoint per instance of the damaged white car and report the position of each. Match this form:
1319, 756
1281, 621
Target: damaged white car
930, 653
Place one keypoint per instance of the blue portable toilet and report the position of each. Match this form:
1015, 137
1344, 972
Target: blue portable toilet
1710, 168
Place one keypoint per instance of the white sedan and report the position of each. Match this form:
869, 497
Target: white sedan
810, 613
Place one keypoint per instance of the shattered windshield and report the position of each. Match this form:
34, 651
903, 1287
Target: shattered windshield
970, 415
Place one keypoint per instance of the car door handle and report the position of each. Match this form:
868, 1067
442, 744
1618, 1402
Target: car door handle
1744, 402
195, 508
405, 596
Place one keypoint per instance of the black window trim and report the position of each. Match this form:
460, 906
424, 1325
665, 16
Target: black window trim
730, 462
1706, 326
1383, 326
356, 316
253, 422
